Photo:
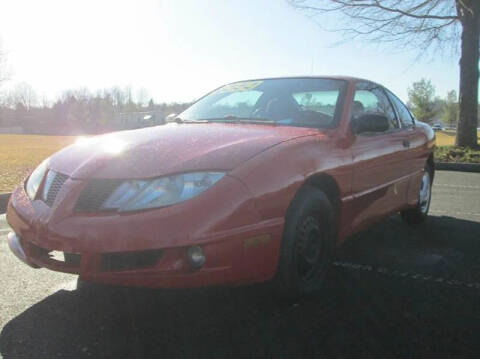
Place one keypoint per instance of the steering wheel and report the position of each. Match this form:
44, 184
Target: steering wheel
315, 118
259, 112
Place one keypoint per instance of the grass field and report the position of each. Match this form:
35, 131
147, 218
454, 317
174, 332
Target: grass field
447, 137
19, 154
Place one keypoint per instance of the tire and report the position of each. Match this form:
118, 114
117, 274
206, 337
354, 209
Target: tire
419, 214
307, 244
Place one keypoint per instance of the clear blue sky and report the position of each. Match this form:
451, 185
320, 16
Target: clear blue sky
179, 49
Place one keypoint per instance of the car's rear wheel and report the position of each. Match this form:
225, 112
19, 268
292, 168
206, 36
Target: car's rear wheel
307, 244
419, 214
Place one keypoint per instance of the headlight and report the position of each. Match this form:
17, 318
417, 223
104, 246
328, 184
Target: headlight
142, 194
35, 179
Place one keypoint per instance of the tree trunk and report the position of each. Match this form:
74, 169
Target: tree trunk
468, 97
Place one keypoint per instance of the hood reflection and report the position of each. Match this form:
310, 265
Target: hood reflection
108, 144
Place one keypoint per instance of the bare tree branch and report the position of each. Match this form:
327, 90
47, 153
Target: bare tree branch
409, 23
3, 66
419, 24
408, 12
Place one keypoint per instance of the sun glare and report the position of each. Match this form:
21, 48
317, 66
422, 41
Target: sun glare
113, 146
107, 144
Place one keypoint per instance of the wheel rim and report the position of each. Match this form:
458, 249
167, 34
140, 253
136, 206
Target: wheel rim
425, 192
309, 249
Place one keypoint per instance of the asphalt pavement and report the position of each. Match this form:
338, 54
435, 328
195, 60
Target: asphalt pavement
394, 292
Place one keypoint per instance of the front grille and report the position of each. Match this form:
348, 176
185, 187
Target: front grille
55, 187
113, 262
95, 194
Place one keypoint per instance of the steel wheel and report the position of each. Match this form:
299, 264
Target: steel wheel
419, 213
309, 249
425, 192
307, 243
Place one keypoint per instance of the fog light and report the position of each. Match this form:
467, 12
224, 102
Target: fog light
196, 257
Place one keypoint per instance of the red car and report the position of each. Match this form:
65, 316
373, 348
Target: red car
258, 180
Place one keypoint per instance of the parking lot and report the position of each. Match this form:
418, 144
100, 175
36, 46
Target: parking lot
394, 291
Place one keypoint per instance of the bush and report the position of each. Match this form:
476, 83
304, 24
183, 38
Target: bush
457, 154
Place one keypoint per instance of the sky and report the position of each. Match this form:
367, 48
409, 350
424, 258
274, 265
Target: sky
179, 49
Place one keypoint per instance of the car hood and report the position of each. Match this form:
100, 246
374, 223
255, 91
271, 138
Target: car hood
172, 148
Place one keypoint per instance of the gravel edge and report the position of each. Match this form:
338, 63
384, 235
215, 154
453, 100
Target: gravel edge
453, 166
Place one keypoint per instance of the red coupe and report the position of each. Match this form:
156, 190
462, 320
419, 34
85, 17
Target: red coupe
258, 180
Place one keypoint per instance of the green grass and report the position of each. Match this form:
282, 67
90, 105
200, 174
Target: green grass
19, 154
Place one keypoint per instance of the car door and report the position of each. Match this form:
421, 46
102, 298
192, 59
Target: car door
415, 153
380, 171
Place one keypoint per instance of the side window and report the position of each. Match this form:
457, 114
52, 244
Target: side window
406, 118
370, 98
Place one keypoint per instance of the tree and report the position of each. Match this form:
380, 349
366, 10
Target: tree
151, 105
421, 97
450, 109
3, 66
119, 98
420, 24
142, 96
4, 97
22, 95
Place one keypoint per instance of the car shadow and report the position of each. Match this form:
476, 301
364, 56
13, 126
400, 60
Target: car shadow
443, 247
357, 314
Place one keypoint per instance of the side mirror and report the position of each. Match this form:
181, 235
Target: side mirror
171, 118
370, 123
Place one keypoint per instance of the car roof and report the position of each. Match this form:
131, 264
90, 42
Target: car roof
329, 77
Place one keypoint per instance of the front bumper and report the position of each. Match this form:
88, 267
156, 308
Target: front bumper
239, 248
16, 247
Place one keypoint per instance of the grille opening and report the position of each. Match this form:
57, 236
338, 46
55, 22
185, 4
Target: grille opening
113, 262
72, 259
69, 259
55, 187
95, 194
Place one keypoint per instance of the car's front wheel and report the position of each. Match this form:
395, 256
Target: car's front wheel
419, 214
307, 244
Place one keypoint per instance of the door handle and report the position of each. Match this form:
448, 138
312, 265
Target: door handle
406, 143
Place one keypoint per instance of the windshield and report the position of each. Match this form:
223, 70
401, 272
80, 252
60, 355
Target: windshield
304, 102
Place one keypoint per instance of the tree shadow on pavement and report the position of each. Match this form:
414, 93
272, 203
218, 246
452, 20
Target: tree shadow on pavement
357, 315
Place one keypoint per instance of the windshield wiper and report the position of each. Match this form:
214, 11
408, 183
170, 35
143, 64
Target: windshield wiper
181, 120
238, 119
228, 119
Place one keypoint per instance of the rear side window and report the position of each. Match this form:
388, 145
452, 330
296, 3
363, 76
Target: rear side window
371, 99
406, 117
